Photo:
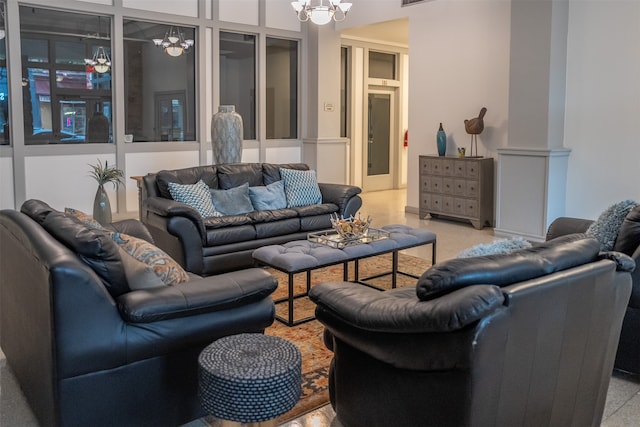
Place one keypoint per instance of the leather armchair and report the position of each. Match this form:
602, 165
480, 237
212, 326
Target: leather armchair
628, 242
85, 357
501, 340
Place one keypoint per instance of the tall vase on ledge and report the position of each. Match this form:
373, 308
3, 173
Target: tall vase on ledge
102, 207
226, 135
441, 140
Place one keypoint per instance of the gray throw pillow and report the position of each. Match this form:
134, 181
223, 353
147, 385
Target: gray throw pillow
270, 197
605, 228
501, 246
195, 195
234, 201
301, 187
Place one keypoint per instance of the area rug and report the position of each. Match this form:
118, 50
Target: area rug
308, 337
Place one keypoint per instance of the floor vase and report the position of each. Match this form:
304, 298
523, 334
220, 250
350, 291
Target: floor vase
226, 135
102, 207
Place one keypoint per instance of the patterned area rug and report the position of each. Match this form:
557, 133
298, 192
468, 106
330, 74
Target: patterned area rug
309, 336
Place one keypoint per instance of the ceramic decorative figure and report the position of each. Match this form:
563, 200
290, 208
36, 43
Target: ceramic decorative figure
441, 139
226, 135
104, 174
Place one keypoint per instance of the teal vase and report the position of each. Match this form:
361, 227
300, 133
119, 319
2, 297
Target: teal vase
102, 207
441, 139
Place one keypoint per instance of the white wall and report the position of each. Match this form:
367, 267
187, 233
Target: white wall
6, 188
603, 105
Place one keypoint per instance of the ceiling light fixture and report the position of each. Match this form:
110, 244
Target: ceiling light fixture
174, 43
100, 61
321, 11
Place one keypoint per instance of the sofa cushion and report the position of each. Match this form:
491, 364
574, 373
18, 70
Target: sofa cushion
196, 195
271, 171
301, 187
217, 237
549, 257
36, 209
227, 221
628, 239
234, 174
276, 215
234, 201
186, 176
605, 228
268, 197
168, 270
93, 246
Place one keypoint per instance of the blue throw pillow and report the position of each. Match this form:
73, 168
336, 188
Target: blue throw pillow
195, 195
270, 197
301, 187
234, 201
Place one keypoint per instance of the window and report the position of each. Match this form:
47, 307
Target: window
67, 96
344, 90
382, 65
159, 83
238, 77
282, 89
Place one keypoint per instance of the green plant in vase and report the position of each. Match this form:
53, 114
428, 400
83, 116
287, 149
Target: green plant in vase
104, 174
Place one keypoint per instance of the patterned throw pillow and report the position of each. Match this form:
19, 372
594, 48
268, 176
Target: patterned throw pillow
195, 195
605, 228
162, 264
301, 187
270, 197
84, 218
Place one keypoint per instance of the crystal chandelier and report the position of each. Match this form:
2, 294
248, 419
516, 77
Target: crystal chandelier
100, 61
173, 42
321, 11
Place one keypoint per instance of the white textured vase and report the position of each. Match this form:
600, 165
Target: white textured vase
226, 135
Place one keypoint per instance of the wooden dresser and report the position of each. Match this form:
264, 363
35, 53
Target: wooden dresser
457, 188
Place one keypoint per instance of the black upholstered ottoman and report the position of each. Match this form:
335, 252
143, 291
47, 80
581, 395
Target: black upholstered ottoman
249, 378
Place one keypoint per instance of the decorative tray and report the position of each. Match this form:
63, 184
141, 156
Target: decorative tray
335, 240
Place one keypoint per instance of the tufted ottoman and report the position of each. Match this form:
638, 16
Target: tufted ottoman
249, 378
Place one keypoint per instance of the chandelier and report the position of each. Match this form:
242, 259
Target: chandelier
321, 11
173, 42
100, 61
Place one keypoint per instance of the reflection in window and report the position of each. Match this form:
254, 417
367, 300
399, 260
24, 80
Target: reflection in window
238, 77
159, 88
282, 89
382, 65
344, 90
4, 82
65, 99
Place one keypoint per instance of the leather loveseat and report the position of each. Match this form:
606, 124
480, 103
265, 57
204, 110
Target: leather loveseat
212, 245
85, 351
501, 340
627, 242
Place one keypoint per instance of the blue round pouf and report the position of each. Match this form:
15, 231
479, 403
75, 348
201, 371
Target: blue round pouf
249, 378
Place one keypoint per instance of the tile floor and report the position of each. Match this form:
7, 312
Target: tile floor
385, 207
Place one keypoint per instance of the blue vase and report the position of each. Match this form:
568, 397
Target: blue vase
441, 139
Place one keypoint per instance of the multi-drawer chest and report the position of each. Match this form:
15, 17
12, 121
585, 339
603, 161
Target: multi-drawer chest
457, 187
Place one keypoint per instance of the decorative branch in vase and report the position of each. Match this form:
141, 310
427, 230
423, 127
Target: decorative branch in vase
104, 174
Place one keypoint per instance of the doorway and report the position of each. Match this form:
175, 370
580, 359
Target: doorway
379, 160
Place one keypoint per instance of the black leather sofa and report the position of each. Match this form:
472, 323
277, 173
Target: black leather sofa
207, 246
87, 355
501, 340
627, 242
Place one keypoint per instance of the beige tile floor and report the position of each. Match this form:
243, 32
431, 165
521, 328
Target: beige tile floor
385, 207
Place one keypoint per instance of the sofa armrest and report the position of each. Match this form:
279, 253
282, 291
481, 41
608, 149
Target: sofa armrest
344, 196
198, 296
170, 208
565, 225
400, 311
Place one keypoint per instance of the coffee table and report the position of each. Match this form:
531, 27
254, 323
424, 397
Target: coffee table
304, 256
